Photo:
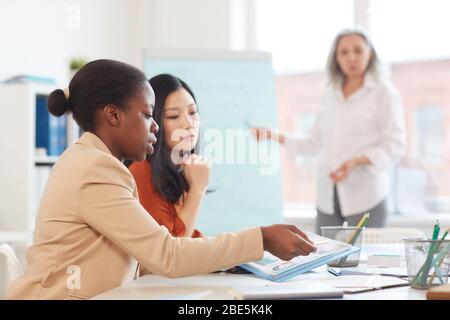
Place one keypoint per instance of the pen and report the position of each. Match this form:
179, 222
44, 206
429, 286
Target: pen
445, 234
436, 230
421, 277
438, 259
355, 234
360, 225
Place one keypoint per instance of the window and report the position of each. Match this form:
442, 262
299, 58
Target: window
429, 130
409, 34
303, 127
410, 30
299, 32
410, 38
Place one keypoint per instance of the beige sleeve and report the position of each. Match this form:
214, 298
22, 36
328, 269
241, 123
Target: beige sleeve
108, 206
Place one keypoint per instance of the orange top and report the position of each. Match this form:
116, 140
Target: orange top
161, 209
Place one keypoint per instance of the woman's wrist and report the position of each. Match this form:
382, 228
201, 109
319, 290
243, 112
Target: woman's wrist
199, 191
264, 237
361, 160
278, 137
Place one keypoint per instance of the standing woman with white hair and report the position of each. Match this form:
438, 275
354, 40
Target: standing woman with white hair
358, 134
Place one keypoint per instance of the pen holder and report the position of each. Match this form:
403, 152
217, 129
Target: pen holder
427, 262
352, 235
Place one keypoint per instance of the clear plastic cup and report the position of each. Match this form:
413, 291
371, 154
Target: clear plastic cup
425, 268
347, 235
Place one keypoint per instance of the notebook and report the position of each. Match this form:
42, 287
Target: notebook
275, 269
300, 291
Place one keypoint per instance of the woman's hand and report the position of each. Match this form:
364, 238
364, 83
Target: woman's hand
341, 173
265, 134
196, 170
286, 241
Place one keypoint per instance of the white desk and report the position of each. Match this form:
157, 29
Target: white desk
215, 286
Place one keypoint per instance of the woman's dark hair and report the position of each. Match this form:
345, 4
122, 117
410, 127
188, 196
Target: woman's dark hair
166, 176
98, 83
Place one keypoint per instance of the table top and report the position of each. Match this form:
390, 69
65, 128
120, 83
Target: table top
215, 286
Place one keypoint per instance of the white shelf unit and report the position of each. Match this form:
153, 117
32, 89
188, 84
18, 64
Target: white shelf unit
45, 160
21, 171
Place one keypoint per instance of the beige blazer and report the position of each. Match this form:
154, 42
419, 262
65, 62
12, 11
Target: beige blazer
91, 231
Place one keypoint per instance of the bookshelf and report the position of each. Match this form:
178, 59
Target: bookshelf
23, 172
45, 160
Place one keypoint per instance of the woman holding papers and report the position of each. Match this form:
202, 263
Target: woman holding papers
173, 180
358, 134
91, 231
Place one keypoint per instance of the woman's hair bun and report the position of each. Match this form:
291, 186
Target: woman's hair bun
57, 103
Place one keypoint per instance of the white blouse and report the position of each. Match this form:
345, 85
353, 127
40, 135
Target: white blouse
370, 122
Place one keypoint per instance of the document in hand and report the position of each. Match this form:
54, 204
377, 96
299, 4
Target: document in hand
272, 268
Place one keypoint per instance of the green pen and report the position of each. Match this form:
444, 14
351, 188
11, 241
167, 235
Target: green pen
421, 277
439, 260
445, 234
437, 229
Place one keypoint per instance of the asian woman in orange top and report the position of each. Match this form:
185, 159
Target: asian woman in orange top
172, 182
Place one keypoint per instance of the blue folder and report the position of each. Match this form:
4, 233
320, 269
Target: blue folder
51, 131
300, 268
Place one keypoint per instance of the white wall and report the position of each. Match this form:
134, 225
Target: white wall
40, 36
193, 24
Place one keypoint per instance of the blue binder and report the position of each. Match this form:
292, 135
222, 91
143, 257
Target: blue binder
51, 131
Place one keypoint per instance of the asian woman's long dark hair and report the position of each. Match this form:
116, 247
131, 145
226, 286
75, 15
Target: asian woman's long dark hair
166, 176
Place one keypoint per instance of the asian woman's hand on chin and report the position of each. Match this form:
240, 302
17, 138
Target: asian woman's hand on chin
196, 170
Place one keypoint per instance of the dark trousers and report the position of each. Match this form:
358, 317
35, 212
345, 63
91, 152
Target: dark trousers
377, 218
